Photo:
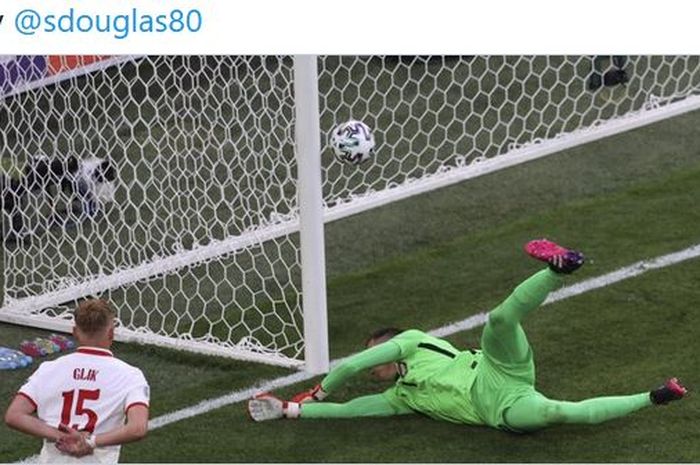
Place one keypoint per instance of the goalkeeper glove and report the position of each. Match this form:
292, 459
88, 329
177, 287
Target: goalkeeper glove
265, 406
314, 394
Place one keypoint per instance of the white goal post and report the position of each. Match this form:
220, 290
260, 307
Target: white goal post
211, 237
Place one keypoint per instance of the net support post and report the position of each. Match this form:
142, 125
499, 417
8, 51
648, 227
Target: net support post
310, 197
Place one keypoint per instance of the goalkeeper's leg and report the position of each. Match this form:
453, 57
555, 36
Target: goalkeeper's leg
535, 411
376, 405
503, 338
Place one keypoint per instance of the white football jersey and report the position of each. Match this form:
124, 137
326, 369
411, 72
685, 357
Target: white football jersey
89, 390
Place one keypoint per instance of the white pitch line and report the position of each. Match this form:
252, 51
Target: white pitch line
627, 272
472, 322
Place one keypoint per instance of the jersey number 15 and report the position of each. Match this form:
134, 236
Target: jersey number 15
80, 409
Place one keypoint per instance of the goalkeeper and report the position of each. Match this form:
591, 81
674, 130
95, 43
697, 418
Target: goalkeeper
494, 386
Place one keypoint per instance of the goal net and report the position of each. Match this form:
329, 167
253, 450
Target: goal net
189, 221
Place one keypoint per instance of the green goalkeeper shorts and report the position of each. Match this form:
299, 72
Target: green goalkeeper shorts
498, 385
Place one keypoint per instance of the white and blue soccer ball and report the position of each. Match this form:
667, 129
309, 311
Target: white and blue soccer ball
352, 142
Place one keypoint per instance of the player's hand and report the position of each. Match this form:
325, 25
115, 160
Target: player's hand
73, 442
265, 407
314, 394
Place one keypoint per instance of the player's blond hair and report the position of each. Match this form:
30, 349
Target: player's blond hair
93, 316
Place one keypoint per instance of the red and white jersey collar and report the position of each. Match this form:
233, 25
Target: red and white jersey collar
95, 351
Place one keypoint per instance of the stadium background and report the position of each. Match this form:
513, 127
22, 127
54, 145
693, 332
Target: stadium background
440, 257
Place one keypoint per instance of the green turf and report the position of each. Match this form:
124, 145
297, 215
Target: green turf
622, 200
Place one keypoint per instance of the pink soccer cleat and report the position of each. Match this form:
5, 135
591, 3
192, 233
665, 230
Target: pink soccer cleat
670, 391
560, 259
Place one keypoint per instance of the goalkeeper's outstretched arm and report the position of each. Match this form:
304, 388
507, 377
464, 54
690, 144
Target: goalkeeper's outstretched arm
266, 406
379, 357
377, 405
375, 356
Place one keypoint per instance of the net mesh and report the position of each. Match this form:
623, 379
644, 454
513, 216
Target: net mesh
199, 242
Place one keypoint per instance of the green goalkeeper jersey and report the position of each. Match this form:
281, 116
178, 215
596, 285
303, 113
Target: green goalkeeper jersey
435, 378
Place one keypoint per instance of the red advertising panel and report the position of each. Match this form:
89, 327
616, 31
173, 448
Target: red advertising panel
62, 63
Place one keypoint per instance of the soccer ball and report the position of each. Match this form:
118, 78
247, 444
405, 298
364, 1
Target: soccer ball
352, 142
